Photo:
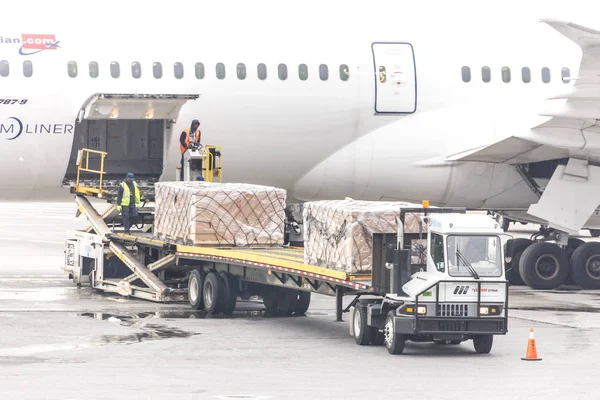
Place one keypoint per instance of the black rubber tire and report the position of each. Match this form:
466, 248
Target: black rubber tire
365, 332
270, 302
505, 224
378, 338
585, 257
195, 290
543, 254
303, 303
572, 245
211, 292
394, 342
595, 232
483, 344
287, 300
512, 274
230, 293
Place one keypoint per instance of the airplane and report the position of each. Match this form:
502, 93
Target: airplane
489, 108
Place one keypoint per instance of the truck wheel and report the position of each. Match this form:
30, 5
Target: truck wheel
512, 267
378, 337
230, 292
585, 265
362, 332
544, 266
303, 303
393, 341
212, 293
195, 284
483, 344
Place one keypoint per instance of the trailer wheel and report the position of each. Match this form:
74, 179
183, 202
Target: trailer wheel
393, 341
483, 343
585, 265
544, 266
195, 284
303, 303
287, 300
512, 267
230, 293
362, 332
270, 302
212, 293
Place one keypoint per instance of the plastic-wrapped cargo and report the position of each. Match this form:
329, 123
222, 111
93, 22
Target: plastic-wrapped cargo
338, 234
219, 214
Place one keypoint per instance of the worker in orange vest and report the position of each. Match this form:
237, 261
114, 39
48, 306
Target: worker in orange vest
188, 135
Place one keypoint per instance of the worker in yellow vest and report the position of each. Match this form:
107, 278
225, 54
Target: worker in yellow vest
128, 201
189, 135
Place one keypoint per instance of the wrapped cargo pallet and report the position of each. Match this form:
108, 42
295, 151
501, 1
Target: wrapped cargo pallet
219, 214
339, 233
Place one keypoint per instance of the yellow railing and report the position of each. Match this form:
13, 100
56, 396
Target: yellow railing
209, 173
83, 156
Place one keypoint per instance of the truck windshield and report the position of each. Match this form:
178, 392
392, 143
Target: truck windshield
481, 252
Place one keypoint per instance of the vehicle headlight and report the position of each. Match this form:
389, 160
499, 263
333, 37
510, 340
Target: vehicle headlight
410, 309
490, 310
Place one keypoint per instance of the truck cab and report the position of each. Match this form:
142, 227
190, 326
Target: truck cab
446, 281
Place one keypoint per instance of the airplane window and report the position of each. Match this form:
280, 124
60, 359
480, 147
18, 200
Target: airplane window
344, 72
303, 72
27, 68
136, 69
94, 70
199, 70
545, 75
526, 74
157, 70
261, 70
115, 70
178, 70
4, 68
466, 74
505, 74
565, 74
282, 70
72, 69
221, 71
486, 74
323, 72
241, 71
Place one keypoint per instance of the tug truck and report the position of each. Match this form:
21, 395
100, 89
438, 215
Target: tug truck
445, 284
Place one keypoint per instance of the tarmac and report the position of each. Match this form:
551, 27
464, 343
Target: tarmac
58, 341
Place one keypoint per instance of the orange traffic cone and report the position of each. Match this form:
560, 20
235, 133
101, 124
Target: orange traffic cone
531, 354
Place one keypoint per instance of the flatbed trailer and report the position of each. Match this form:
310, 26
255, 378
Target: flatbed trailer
138, 265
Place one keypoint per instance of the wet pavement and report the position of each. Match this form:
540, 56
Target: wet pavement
58, 341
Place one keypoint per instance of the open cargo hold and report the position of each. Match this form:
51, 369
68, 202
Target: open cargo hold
219, 214
339, 233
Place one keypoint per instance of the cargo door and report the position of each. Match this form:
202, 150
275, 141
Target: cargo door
395, 78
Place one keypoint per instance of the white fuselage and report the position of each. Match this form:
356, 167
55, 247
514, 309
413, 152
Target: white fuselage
315, 138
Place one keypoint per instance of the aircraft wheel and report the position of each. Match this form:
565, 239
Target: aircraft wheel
585, 265
595, 232
544, 266
572, 245
512, 267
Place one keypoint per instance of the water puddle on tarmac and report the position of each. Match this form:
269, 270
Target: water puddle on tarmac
149, 331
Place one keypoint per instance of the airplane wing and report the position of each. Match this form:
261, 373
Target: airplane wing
569, 132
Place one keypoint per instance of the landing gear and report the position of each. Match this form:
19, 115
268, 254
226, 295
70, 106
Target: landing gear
544, 266
585, 265
512, 266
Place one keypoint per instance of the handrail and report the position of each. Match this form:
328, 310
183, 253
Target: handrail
84, 155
